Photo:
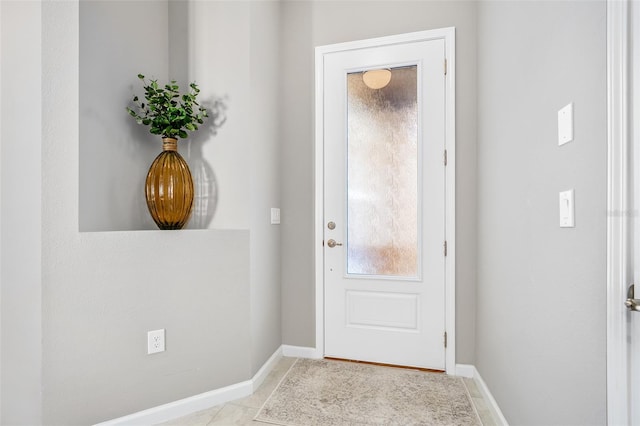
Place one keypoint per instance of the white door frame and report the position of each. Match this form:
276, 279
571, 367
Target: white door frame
448, 35
619, 239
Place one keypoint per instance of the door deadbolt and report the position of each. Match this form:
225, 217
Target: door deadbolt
331, 225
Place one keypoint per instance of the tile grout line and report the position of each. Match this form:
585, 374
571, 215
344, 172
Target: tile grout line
245, 407
473, 404
284, 376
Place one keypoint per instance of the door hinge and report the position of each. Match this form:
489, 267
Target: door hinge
445, 66
445, 157
445, 339
445, 248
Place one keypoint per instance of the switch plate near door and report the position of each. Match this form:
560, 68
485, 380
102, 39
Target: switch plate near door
565, 124
275, 216
567, 213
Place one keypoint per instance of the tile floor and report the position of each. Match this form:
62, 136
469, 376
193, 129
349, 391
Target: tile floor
242, 411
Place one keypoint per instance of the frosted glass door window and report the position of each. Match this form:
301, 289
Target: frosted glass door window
382, 175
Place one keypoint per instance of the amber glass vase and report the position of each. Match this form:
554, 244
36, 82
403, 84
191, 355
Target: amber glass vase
169, 187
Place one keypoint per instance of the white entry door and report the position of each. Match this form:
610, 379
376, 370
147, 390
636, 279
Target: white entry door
384, 204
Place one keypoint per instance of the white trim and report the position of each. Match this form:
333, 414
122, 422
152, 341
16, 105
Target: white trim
448, 34
450, 206
183, 407
465, 370
319, 200
266, 368
186, 406
618, 398
300, 352
489, 399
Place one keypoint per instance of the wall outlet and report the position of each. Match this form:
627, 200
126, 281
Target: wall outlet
155, 341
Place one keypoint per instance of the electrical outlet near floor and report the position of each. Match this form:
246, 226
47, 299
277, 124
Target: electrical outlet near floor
155, 341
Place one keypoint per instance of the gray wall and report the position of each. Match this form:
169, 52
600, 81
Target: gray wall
83, 301
541, 341
118, 40
265, 180
21, 277
215, 291
103, 291
296, 124
310, 24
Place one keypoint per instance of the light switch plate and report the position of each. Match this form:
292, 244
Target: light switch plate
275, 216
565, 124
567, 212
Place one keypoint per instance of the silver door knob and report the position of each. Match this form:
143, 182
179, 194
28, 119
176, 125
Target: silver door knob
631, 303
332, 243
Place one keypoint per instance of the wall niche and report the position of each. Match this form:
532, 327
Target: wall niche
119, 40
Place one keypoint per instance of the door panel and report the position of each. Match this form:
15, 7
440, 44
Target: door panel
384, 191
378, 310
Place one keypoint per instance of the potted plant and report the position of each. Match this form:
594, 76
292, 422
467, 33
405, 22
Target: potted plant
169, 185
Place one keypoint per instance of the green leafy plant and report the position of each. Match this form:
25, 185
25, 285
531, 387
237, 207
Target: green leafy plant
169, 113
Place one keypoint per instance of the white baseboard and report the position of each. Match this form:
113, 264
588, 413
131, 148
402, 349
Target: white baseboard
465, 370
183, 407
300, 352
266, 368
186, 406
486, 394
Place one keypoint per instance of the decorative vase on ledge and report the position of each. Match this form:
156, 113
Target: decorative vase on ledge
169, 188
169, 185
